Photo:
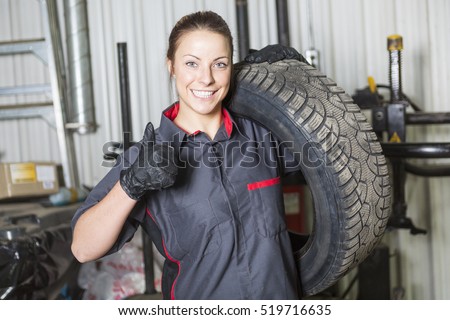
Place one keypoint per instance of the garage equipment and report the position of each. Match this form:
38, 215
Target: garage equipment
391, 118
35, 257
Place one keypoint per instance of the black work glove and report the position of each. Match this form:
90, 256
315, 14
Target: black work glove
154, 169
273, 53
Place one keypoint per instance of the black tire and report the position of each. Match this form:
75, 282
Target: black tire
345, 168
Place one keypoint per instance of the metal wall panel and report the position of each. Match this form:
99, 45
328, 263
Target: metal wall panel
262, 23
437, 98
351, 38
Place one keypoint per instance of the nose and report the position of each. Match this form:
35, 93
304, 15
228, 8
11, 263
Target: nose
206, 76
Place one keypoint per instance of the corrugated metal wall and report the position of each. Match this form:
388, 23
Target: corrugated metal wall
350, 36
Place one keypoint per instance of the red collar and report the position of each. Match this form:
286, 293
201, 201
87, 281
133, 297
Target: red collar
172, 113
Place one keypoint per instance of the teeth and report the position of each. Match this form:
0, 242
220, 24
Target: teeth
202, 94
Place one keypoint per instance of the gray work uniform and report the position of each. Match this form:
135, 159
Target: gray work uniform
221, 226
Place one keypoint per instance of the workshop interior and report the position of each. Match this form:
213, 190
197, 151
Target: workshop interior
78, 77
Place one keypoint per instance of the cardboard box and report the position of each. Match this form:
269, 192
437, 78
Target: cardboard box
28, 179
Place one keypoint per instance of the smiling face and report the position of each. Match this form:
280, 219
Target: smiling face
201, 68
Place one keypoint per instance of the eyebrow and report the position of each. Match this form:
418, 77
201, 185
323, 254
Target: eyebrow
191, 55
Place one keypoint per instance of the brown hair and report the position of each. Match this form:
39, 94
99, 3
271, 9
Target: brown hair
201, 20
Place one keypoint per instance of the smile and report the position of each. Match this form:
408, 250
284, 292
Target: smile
203, 94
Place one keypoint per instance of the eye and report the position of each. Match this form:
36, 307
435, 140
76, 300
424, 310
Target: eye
221, 65
191, 64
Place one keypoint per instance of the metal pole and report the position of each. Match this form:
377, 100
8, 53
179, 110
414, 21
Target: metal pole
429, 171
81, 115
283, 23
125, 104
427, 118
242, 25
147, 248
57, 78
124, 94
416, 150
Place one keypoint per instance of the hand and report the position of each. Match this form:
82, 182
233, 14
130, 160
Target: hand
154, 169
273, 53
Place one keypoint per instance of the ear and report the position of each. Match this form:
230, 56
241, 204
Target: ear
169, 67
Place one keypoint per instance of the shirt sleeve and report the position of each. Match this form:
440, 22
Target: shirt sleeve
136, 216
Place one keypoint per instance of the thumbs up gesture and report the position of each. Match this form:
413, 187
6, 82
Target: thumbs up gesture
154, 169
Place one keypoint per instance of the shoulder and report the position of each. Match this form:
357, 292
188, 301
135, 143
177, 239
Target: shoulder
250, 127
246, 123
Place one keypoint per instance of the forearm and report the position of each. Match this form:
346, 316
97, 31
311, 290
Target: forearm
99, 227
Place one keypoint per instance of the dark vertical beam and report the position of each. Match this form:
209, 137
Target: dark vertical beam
283, 23
124, 94
374, 278
242, 26
125, 106
147, 248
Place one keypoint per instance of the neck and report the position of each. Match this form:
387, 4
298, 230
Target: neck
191, 122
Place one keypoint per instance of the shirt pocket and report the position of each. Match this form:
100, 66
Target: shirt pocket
267, 206
196, 229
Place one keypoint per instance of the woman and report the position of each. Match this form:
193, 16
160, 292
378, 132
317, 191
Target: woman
205, 186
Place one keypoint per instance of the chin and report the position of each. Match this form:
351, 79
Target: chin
207, 109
